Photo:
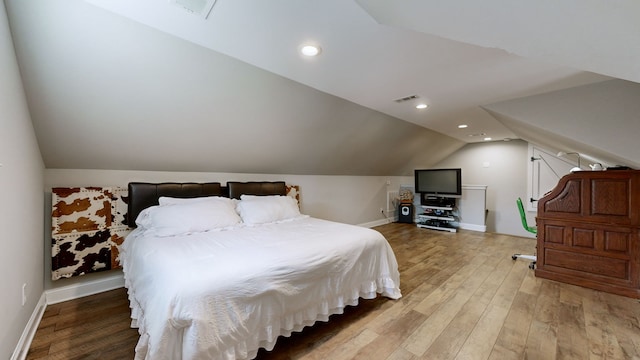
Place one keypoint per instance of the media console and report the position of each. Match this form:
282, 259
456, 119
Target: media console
438, 213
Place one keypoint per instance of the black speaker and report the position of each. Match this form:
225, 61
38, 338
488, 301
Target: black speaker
405, 213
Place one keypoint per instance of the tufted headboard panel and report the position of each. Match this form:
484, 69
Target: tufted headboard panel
236, 188
143, 195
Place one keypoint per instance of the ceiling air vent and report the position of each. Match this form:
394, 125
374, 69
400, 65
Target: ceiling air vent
406, 98
196, 7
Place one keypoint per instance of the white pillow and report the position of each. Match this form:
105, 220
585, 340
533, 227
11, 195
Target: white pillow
189, 217
165, 200
265, 209
143, 219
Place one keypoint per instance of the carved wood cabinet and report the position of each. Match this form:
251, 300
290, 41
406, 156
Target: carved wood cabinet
589, 231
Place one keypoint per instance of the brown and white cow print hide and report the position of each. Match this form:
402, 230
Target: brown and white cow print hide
87, 225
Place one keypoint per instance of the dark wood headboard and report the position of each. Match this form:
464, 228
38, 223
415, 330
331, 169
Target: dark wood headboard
236, 188
143, 195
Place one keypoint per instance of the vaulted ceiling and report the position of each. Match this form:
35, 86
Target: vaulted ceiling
146, 85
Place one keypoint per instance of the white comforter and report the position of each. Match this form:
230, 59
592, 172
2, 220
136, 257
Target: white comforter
224, 294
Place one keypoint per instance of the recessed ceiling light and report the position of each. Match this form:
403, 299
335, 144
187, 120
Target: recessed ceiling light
462, 126
487, 139
310, 50
421, 106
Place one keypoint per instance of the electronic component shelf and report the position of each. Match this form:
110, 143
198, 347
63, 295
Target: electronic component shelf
438, 217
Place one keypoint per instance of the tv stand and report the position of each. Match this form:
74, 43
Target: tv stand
437, 213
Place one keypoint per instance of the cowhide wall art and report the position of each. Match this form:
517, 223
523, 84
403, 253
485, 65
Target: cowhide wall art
87, 225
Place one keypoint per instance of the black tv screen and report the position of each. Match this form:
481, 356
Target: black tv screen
439, 181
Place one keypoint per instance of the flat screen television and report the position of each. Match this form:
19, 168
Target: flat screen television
439, 182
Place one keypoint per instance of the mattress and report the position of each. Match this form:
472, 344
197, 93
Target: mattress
225, 294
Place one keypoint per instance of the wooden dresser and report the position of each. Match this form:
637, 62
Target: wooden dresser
589, 231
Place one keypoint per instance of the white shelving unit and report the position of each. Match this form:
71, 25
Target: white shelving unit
437, 218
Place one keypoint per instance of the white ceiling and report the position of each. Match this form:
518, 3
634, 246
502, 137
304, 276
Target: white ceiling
376, 51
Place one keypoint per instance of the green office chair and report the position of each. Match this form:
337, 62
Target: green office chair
531, 229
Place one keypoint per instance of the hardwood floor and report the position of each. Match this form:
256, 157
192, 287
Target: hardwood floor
463, 298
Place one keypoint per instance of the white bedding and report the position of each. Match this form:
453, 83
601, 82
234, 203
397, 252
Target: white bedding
225, 294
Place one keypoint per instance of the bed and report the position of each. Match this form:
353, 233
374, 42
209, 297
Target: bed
218, 272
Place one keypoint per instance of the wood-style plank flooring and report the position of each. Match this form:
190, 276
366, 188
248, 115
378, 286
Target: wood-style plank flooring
463, 298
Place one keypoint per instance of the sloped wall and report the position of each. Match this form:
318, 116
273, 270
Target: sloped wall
600, 121
109, 93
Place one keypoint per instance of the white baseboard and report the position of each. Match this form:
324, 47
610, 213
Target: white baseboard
21, 350
75, 291
474, 227
376, 223
59, 295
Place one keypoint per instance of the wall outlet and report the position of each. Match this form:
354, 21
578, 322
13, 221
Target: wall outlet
24, 294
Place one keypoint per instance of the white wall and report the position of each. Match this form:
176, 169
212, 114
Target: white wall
21, 201
348, 199
502, 166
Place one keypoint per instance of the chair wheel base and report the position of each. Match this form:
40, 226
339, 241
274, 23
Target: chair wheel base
532, 265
